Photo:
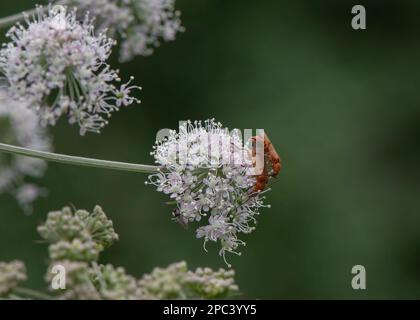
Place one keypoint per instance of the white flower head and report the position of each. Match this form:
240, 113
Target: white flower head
204, 168
140, 24
58, 66
20, 126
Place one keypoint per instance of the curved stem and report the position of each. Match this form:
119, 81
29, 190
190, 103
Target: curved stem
29, 293
78, 161
11, 20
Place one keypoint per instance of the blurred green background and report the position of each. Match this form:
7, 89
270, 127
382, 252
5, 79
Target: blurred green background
342, 108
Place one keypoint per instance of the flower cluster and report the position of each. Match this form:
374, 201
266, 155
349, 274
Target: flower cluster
77, 238
78, 281
140, 24
11, 274
176, 282
212, 284
96, 282
79, 235
206, 169
114, 283
86, 279
58, 66
20, 126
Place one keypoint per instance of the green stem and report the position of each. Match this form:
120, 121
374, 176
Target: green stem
78, 161
29, 293
11, 20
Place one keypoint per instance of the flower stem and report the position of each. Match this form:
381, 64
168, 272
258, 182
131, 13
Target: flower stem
78, 161
29, 293
11, 20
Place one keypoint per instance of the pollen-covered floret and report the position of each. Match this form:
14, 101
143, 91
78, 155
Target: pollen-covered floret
58, 66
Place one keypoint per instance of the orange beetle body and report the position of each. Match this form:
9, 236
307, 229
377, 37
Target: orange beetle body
272, 161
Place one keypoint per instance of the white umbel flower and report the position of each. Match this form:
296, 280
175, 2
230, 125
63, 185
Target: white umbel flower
205, 169
20, 126
58, 66
140, 24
